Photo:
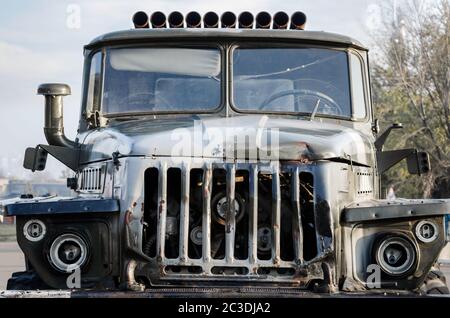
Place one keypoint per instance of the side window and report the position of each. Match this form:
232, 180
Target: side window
93, 95
359, 101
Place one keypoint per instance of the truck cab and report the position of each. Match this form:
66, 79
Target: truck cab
234, 155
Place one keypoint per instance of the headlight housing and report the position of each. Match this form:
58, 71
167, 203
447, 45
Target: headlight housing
396, 255
68, 252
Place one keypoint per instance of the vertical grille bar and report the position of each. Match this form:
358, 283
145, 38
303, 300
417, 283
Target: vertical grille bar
184, 212
297, 229
99, 178
276, 215
99, 184
253, 215
230, 215
88, 176
206, 221
162, 211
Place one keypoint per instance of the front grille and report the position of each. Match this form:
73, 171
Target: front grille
364, 182
268, 231
91, 179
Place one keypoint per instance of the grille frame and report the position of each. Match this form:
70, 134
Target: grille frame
302, 270
91, 179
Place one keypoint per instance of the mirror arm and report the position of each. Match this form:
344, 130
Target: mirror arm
379, 143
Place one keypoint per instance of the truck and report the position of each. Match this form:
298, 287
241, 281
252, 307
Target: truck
237, 154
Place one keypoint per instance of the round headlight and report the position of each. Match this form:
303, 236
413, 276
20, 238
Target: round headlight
68, 252
34, 230
426, 231
396, 255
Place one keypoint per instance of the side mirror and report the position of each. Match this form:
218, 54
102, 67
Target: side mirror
418, 163
35, 159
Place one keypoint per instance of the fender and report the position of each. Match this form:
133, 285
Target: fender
373, 210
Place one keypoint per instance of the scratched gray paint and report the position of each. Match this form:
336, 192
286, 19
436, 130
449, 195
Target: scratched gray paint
298, 139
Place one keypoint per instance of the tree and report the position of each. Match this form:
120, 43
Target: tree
411, 84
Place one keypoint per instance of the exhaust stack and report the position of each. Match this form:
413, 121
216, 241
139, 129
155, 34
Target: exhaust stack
246, 20
176, 20
193, 20
211, 20
263, 20
280, 20
54, 114
140, 20
158, 20
228, 20
298, 21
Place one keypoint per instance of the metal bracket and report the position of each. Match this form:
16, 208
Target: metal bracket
379, 143
68, 156
387, 159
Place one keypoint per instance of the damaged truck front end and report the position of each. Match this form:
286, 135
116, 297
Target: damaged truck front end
206, 159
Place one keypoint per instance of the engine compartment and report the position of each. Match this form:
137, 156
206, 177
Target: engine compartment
271, 191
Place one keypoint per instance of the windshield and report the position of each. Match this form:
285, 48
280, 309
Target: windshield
161, 79
294, 80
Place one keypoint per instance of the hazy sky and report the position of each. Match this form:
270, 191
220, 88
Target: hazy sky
39, 42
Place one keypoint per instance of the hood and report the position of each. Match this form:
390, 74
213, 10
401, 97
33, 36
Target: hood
239, 137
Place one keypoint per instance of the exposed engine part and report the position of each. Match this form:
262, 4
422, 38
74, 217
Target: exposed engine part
171, 226
196, 235
149, 245
219, 203
264, 239
219, 208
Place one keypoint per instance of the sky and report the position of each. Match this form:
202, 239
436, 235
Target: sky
42, 41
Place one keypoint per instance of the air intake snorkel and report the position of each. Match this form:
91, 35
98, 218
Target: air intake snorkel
54, 117
59, 146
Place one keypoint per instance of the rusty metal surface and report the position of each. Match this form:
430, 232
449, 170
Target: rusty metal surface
391, 209
303, 271
185, 293
297, 139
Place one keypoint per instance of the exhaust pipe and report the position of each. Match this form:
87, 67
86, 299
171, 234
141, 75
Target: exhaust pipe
228, 20
158, 20
140, 20
176, 20
193, 20
263, 20
54, 114
298, 21
246, 20
280, 20
210, 20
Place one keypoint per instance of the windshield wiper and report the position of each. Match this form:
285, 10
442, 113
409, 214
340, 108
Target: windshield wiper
289, 70
314, 112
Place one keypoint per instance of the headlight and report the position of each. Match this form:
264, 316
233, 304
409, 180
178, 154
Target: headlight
68, 252
34, 230
427, 231
396, 255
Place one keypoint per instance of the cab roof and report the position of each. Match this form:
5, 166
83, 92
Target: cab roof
144, 35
